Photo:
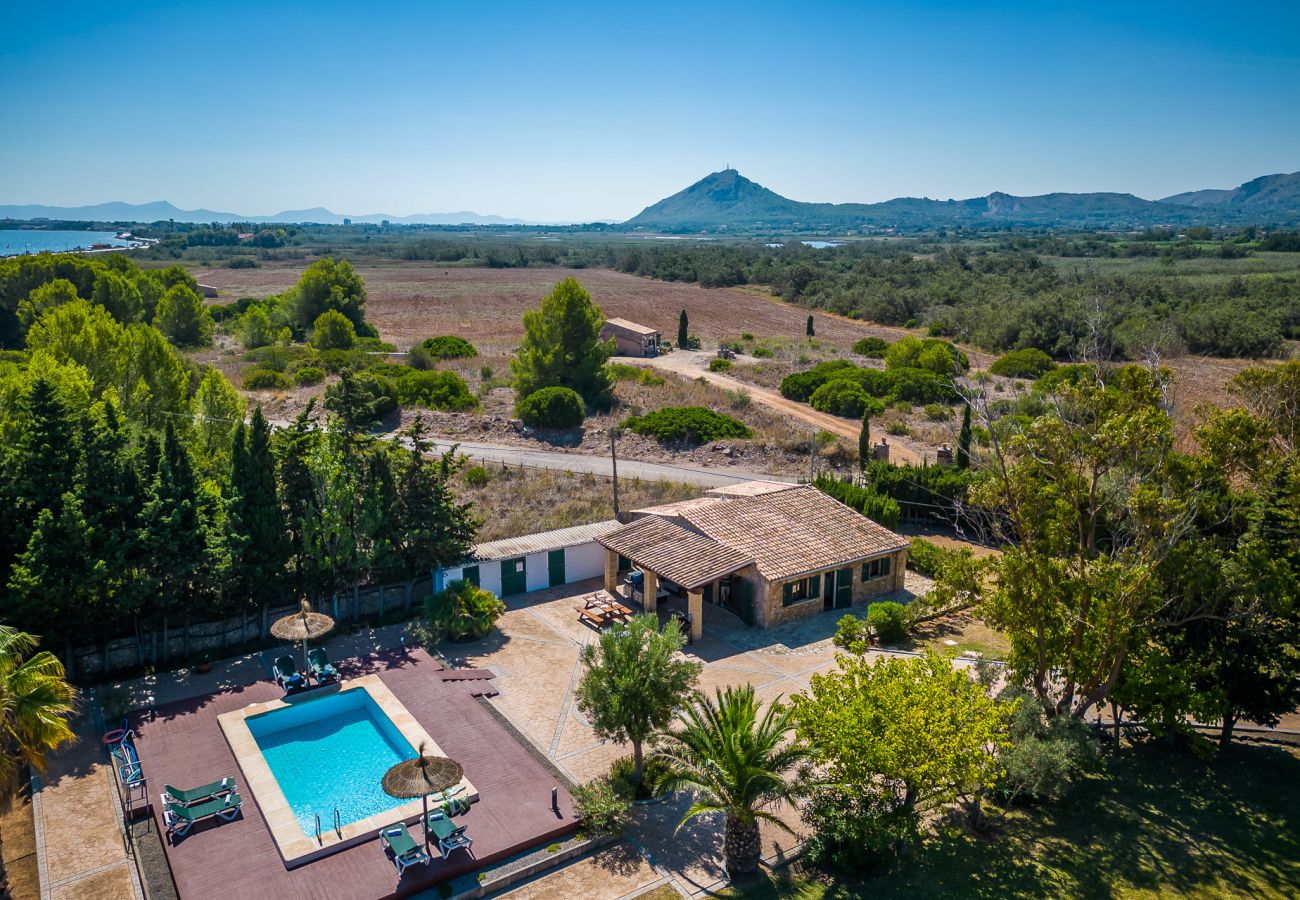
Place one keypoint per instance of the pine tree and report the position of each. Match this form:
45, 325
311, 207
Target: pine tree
683, 332
39, 468
49, 583
562, 347
433, 529
963, 440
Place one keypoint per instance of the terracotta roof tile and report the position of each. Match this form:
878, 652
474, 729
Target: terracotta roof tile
793, 531
673, 552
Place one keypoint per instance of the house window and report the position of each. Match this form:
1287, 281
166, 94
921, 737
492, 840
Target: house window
798, 591
876, 568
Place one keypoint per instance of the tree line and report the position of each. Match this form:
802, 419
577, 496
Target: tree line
143, 497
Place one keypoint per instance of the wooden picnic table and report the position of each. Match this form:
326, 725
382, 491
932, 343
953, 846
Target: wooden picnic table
605, 608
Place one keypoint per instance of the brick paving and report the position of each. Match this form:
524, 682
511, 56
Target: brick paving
184, 745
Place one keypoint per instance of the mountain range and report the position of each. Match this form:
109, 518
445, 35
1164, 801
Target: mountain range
161, 211
727, 200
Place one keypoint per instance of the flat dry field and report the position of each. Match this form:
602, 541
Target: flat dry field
409, 301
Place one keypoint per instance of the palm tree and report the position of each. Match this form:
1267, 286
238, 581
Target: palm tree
736, 763
35, 702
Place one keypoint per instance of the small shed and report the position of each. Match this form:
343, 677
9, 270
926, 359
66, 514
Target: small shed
631, 338
534, 561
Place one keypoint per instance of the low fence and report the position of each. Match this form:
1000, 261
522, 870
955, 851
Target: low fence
158, 646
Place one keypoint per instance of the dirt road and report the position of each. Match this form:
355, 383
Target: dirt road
695, 364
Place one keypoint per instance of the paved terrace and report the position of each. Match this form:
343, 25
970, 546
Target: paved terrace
534, 654
184, 746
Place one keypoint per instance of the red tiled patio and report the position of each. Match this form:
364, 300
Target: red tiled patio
184, 745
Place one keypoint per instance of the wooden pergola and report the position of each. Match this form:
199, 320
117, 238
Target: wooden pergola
664, 549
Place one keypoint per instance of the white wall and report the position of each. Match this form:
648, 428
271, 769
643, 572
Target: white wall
580, 562
584, 561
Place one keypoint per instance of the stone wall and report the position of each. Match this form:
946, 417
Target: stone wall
770, 612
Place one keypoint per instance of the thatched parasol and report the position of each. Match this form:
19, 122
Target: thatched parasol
421, 777
302, 626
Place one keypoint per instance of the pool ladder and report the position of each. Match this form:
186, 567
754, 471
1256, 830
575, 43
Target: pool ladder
338, 826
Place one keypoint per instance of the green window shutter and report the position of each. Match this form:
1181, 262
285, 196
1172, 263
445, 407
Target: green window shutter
787, 594
884, 566
815, 586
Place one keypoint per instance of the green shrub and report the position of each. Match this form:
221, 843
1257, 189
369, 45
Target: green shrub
551, 407
1074, 373
799, 386
889, 620
897, 429
762, 353
687, 425
925, 557
333, 331
375, 397
485, 373
477, 476
446, 391
463, 611
309, 375
920, 386
603, 811
448, 346
856, 831
623, 371
260, 379
1028, 363
842, 397
418, 357
871, 347
937, 412
655, 772
932, 354
721, 365
733, 346
746, 336
389, 370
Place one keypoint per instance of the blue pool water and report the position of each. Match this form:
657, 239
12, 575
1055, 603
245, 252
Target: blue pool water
330, 753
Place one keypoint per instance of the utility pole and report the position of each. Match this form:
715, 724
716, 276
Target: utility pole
613, 458
812, 457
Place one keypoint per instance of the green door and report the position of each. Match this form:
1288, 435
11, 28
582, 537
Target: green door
844, 588
470, 574
514, 577
555, 563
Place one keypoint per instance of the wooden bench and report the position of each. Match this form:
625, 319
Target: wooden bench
599, 619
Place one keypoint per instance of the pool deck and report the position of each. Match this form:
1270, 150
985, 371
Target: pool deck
185, 745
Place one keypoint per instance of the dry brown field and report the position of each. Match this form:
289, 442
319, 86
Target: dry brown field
409, 301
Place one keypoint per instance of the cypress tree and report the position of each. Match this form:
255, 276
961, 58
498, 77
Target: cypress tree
811, 332
864, 441
963, 440
258, 543
173, 533
297, 491
683, 331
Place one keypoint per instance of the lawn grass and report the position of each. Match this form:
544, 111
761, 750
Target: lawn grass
1158, 823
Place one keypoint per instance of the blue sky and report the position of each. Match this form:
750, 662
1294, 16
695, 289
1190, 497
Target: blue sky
593, 110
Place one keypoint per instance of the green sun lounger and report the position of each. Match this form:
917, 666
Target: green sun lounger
397, 840
180, 819
189, 797
450, 835
321, 669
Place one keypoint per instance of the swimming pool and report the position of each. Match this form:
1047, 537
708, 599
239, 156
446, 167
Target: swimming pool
331, 753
